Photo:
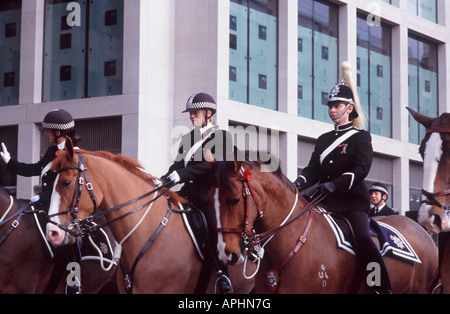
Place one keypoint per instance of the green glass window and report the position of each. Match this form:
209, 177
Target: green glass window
424, 8
374, 75
253, 66
10, 28
83, 49
422, 83
317, 57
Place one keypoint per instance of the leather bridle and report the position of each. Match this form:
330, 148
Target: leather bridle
251, 241
431, 197
86, 225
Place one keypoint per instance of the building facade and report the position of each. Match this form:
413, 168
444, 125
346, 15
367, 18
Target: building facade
125, 69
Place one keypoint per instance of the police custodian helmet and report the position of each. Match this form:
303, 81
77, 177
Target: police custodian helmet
380, 187
58, 119
343, 94
200, 101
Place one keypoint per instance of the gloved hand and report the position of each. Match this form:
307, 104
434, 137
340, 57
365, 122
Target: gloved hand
328, 188
35, 198
157, 182
5, 154
299, 184
174, 177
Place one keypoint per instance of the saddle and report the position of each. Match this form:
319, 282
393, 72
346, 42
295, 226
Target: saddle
392, 242
196, 225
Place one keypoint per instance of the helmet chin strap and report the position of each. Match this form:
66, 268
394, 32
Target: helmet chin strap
342, 113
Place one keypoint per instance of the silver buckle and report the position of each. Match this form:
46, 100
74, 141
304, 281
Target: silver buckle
164, 221
15, 224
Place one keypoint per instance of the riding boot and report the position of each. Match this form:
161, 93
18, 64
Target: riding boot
223, 283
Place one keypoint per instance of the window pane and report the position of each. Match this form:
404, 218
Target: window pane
10, 22
424, 8
374, 75
317, 57
238, 52
263, 60
105, 48
73, 70
423, 83
64, 53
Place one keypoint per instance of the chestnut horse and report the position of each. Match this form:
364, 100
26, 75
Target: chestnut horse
434, 212
156, 252
26, 260
298, 246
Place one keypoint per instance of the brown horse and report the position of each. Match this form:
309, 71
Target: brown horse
434, 212
300, 252
169, 262
26, 260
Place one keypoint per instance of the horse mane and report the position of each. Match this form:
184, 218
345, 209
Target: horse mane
134, 167
221, 170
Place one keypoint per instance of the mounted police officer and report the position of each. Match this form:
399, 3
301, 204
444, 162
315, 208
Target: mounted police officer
378, 198
340, 162
57, 124
204, 142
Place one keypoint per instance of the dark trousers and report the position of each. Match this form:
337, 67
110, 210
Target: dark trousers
367, 251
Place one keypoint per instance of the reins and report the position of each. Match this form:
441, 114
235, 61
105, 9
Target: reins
254, 243
85, 225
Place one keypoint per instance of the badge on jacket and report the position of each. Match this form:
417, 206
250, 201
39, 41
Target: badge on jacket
344, 148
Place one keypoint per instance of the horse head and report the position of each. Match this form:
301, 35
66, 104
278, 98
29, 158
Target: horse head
240, 199
435, 151
68, 204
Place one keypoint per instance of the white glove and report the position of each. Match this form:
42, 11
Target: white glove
174, 177
5, 154
157, 182
35, 198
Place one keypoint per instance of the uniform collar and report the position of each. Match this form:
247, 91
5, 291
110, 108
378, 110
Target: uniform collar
344, 127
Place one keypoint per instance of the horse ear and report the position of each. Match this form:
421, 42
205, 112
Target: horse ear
236, 163
424, 120
69, 148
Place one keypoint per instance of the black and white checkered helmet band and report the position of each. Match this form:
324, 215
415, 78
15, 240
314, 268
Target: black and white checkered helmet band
200, 101
57, 126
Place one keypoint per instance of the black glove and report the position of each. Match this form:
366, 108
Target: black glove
328, 188
299, 184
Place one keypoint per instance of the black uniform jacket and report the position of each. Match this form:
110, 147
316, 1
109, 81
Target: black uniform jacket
385, 211
31, 170
191, 165
344, 157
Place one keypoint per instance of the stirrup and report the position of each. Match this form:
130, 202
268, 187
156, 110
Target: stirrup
226, 280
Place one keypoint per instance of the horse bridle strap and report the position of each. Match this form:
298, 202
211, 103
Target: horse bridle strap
431, 198
438, 131
85, 225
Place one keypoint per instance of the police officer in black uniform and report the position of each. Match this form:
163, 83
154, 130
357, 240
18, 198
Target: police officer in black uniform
340, 162
378, 198
204, 142
57, 124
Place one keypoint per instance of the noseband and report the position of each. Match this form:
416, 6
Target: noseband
431, 197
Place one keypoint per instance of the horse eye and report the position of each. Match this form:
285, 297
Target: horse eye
235, 201
65, 183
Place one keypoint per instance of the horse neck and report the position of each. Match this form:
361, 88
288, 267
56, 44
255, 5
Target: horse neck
119, 186
278, 198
